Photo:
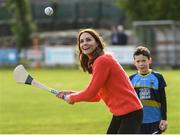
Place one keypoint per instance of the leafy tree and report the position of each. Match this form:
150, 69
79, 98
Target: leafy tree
150, 9
22, 23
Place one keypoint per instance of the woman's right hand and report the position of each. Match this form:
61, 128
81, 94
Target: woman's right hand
62, 93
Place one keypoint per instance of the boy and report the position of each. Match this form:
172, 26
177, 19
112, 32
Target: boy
150, 88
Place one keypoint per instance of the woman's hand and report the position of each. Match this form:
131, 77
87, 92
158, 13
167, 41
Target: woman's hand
65, 95
62, 93
67, 99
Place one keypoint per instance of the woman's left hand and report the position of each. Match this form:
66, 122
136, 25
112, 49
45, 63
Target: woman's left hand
67, 99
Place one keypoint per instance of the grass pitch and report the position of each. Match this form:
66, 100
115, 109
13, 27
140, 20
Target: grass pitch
26, 109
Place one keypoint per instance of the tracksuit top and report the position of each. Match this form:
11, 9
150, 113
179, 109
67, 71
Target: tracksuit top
151, 91
110, 83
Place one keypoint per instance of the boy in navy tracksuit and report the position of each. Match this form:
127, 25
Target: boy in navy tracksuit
150, 88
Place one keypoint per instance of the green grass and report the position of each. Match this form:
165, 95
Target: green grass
26, 109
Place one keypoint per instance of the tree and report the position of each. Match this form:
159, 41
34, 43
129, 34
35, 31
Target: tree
150, 9
22, 23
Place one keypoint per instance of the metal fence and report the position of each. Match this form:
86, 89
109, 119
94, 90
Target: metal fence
68, 14
162, 38
77, 14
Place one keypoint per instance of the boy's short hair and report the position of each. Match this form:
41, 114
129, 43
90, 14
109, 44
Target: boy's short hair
141, 50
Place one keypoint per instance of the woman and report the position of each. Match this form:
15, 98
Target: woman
109, 82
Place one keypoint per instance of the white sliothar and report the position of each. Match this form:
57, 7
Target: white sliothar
48, 11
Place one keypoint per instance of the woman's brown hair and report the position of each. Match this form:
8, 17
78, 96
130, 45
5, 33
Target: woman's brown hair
85, 62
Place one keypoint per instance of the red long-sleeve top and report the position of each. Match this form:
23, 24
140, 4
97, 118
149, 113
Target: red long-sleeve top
111, 84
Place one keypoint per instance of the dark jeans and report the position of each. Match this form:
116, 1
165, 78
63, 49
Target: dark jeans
126, 124
150, 128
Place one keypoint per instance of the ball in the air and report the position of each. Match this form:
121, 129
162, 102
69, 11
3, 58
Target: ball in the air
48, 11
